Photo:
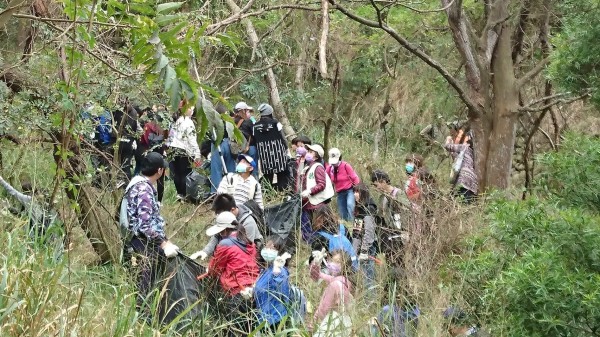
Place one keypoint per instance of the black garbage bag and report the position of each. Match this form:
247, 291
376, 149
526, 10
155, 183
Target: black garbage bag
182, 293
283, 220
197, 187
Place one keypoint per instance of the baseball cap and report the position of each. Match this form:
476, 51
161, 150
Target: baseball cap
242, 106
223, 221
265, 109
153, 161
317, 148
248, 159
334, 156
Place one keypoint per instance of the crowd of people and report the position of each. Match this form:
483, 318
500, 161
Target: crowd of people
251, 268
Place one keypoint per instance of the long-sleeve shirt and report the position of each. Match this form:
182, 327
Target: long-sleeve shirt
143, 212
342, 176
234, 263
364, 227
243, 189
183, 136
467, 177
336, 296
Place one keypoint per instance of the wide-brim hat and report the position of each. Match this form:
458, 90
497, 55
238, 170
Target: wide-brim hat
317, 148
223, 221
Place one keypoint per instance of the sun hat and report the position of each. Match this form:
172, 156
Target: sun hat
223, 221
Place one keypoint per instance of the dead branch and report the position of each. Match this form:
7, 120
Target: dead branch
97, 23
415, 50
423, 11
553, 103
532, 73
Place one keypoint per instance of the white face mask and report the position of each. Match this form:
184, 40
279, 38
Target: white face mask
269, 254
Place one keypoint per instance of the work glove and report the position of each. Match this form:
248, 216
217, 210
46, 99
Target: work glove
280, 262
318, 256
247, 293
134, 145
170, 250
199, 254
305, 193
363, 256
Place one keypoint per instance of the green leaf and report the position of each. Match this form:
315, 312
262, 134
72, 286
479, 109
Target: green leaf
162, 62
163, 20
172, 32
170, 76
168, 7
154, 39
215, 123
175, 95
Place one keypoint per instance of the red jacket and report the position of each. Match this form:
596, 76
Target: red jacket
345, 178
235, 264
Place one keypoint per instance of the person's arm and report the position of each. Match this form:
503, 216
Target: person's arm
320, 179
192, 142
150, 224
352, 175
369, 234
328, 301
258, 197
209, 249
451, 147
24, 199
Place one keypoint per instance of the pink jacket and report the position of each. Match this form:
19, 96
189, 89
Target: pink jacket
345, 178
336, 295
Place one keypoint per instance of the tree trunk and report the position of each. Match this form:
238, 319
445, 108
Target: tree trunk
324, 35
271, 79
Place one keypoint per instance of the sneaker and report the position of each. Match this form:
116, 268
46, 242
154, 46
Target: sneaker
180, 197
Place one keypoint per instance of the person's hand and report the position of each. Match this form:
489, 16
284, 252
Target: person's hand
280, 262
170, 249
199, 254
197, 162
449, 140
363, 256
305, 193
318, 256
134, 145
247, 293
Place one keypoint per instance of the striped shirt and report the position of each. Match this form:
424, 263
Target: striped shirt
241, 189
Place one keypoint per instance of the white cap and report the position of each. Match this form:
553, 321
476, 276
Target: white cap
242, 106
317, 148
223, 221
334, 156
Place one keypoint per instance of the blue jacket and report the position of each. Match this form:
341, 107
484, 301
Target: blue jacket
340, 242
272, 294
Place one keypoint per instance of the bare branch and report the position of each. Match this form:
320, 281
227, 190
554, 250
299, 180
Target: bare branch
423, 11
323, 41
97, 23
211, 29
415, 50
528, 108
532, 73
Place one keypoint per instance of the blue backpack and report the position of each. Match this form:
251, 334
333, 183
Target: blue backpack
104, 128
341, 242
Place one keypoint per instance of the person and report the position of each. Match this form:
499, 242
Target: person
243, 185
412, 187
183, 147
344, 178
153, 139
330, 234
221, 160
299, 142
244, 216
234, 263
126, 127
460, 145
317, 188
272, 148
272, 291
147, 242
102, 139
299, 150
364, 237
245, 122
331, 318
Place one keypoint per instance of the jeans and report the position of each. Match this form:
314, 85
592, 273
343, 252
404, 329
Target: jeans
367, 267
216, 165
306, 226
346, 204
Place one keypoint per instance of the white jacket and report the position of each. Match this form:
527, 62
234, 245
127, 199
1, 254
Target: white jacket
183, 136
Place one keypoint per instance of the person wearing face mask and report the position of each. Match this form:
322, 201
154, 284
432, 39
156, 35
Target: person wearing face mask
330, 318
344, 179
298, 150
245, 122
412, 186
317, 188
242, 185
272, 291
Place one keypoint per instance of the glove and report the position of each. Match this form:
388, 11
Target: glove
199, 254
134, 145
318, 256
170, 250
197, 162
247, 293
280, 262
363, 256
305, 193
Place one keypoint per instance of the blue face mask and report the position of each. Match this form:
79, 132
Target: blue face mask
409, 167
241, 168
269, 254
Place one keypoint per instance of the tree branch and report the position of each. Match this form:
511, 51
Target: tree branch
97, 23
528, 108
415, 50
423, 11
532, 73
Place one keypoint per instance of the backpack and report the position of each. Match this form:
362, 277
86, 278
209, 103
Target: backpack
257, 213
104, 133
341, 242
126, 232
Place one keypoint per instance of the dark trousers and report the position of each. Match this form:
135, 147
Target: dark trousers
149, 264
126, 154
182, 166
283, 180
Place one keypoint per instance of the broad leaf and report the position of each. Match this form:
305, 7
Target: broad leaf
168, 7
